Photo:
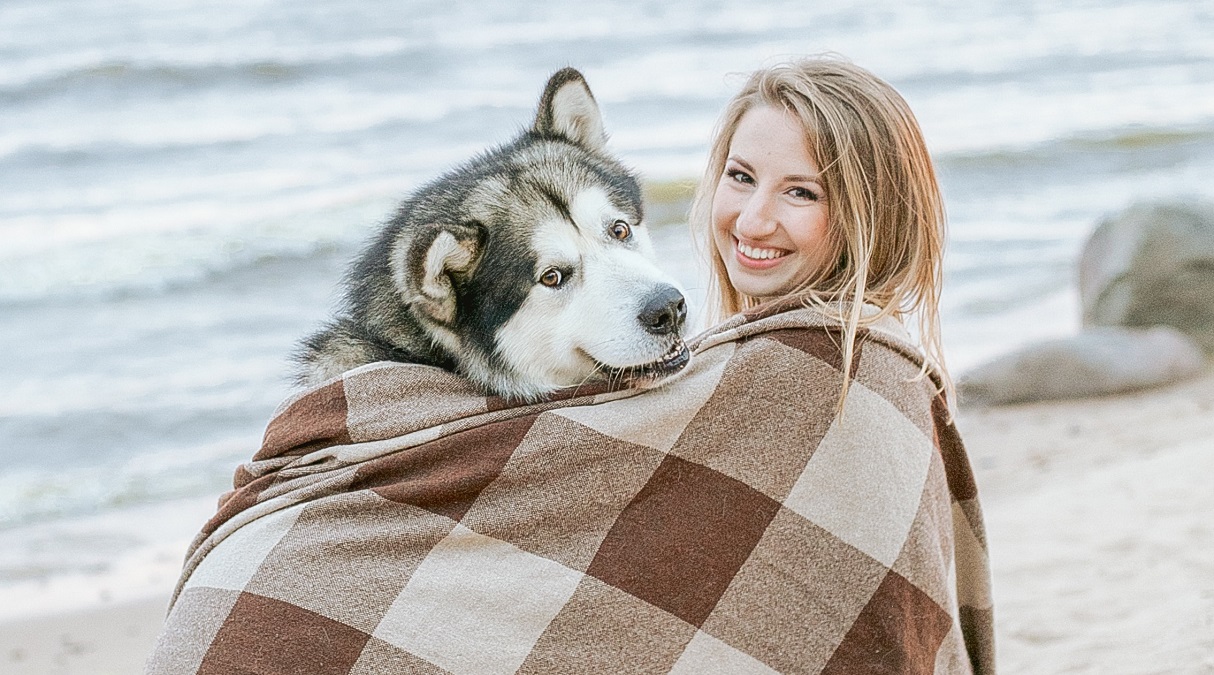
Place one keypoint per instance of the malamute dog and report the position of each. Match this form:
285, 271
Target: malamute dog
527, 269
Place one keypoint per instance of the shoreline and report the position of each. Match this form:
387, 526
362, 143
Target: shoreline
1099, 517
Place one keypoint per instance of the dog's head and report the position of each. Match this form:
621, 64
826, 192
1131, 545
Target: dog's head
531, 265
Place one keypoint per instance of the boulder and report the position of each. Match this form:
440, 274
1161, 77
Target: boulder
1096, 362
1152, 264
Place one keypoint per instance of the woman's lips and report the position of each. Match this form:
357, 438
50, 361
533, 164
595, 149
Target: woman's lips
757, 257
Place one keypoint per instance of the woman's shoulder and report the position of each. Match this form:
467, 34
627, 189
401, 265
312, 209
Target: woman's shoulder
801, 350
818, 328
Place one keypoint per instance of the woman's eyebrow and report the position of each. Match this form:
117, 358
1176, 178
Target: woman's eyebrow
745, 164
794, 178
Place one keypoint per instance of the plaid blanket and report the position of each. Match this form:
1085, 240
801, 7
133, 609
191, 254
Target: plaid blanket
395, 521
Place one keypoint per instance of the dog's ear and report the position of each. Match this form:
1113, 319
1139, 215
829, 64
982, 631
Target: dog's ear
567, 108
426, 269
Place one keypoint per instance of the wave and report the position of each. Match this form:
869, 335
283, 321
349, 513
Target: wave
193, 269
209, 65
417, 119
1089, 145
143, 76
1037, 69
174, 279
97, 559
65, 151
36, 494
1141, 138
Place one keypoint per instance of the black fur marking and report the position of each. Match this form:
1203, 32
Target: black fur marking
558, 202
495, 293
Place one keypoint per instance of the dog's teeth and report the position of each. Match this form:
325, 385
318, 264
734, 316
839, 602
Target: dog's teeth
672, 354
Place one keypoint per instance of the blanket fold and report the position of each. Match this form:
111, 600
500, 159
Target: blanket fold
730, 521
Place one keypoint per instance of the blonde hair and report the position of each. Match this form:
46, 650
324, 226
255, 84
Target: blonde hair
886, 214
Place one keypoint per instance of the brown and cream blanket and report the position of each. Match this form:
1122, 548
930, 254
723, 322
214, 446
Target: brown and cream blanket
394, 521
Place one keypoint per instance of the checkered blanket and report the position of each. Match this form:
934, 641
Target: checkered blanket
395, 521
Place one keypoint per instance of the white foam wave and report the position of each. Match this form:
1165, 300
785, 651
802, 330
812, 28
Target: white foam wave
178, 239
83, 53
119, 556
211, 118
30, 495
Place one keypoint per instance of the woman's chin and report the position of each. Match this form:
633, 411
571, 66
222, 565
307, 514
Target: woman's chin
774, 278
769, 284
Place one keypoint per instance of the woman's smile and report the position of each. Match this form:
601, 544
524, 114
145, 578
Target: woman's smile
757, 256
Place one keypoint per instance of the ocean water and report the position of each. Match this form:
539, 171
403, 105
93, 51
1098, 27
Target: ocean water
182, 183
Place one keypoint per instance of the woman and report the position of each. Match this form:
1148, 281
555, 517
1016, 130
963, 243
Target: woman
820, 194
795, 500
846, 210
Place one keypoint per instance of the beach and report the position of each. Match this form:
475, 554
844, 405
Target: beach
182, 186
1100, 522
107, 640
1101, 525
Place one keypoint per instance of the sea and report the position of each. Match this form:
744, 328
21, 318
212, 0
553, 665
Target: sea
182, 183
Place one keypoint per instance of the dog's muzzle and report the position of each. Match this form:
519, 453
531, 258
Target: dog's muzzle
664, 312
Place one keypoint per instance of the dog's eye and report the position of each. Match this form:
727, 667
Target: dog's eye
621, 230
552, 278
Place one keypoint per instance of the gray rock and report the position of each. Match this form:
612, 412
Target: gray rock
1096, 362
1152, 264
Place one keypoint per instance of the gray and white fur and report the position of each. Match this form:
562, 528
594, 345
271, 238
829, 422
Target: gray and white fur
526, 269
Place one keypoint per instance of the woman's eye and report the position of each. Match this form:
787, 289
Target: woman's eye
621, 230
552, 278
804, 193
739, 176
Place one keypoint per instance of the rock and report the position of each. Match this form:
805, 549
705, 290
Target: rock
1096, 362
1152, 264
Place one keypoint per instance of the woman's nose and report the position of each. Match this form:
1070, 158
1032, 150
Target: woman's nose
756, 218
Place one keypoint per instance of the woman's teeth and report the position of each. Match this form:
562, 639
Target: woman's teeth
760, 253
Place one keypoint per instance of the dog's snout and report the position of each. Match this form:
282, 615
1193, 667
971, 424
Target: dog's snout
664, 312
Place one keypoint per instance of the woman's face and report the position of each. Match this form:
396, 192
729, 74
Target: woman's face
769, 214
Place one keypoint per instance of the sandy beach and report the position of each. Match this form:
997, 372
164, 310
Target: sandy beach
104, 641
1101, 524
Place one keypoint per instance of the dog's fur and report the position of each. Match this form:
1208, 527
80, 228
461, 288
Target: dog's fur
526, 269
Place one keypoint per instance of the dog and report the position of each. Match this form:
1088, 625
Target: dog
526, 270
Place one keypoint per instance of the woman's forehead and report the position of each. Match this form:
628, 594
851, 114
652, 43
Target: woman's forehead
773, 136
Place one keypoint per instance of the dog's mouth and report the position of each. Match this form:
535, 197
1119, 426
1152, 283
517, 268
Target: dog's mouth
675, 359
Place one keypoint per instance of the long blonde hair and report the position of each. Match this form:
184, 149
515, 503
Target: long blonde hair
886, 214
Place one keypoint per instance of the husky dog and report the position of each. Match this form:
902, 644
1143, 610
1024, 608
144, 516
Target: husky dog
527, 269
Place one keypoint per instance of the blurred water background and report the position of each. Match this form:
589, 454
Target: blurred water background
182, 182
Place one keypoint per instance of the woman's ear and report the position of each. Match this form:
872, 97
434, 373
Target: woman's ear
568, 109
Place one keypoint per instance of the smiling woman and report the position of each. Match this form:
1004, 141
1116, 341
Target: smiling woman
769, 214
819, 185
820, 199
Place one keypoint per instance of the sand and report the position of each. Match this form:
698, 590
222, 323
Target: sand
1100, 515
112, 640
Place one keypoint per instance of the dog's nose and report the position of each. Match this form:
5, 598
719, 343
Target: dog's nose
664, 312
